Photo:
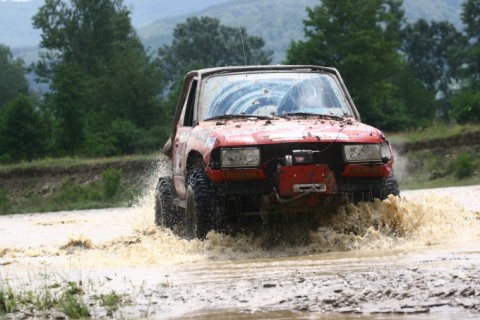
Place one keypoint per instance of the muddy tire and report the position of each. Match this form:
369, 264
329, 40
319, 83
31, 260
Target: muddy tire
378, 191
224, 214
200, 205
165, 211
390, 187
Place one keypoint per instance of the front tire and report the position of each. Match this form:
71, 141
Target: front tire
378, 190
391, 186
200, 205
165, 211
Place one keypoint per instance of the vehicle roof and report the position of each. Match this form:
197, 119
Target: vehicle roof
218, 70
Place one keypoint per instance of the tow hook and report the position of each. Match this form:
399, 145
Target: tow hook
288, 200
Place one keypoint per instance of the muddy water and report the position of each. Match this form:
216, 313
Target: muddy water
418, 258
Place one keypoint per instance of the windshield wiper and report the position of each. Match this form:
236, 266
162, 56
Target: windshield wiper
237, 116
310, 114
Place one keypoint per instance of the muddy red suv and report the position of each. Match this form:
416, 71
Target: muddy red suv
267, 139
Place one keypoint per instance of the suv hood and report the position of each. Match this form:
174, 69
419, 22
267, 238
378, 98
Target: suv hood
253, 132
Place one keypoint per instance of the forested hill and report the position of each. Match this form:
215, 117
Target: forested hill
277, 21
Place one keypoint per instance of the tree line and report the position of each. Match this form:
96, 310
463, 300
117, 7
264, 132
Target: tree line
109, 95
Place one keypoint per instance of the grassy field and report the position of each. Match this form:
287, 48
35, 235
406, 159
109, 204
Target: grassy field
444, 162
72, 162
436, 131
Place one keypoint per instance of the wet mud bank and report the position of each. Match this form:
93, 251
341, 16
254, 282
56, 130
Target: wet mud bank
24, 182
55, 187
446, 284
466, 139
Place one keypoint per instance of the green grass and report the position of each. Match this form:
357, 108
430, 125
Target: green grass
408, 184
67, 298
112, 301
436, 168
71, 302
70, 196
100, 183
8, 300
441, 168
436, 131
72, 162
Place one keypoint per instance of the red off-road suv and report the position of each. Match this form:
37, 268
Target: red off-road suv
267, 139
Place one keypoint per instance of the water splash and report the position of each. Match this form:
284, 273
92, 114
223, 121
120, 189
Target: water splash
390, 224
129, 237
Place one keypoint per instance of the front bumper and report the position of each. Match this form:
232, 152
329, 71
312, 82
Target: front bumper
298, 186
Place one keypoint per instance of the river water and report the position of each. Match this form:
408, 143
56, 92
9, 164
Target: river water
412, 258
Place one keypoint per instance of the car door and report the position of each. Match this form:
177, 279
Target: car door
184, 128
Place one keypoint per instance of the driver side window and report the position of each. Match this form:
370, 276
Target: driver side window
190, 103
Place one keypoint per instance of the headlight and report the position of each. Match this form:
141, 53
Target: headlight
362, 152
241, 157
386, 152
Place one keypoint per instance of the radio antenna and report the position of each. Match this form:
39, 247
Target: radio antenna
241, 38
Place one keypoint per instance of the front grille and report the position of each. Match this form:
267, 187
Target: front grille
323, 153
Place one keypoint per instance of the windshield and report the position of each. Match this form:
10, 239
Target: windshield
272, 94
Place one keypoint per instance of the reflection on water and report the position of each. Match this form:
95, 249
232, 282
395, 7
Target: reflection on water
214, 314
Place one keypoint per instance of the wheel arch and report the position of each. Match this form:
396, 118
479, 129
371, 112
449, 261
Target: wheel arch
194, 160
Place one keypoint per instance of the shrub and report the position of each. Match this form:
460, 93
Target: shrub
463, 166
111, 182
424, 164
73, 192
466, 106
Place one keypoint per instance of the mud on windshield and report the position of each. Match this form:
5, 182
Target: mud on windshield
272, 94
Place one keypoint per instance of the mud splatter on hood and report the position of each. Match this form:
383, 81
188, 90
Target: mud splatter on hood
255, 132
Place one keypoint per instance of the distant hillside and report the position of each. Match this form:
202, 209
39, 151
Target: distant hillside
145, 12
278, 22
439, 10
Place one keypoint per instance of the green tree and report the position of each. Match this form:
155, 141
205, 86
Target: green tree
130, 85
466, 102
471, 21
12, 76
22, 131
127, 93
83, 32
362, 40
417, 104
432, 53
99, 73
202, 42
67, 104
466, 105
